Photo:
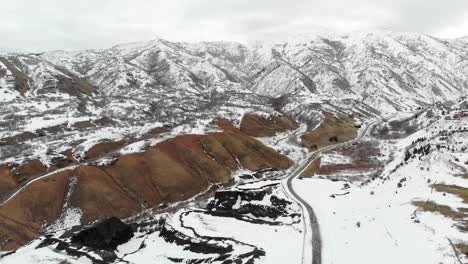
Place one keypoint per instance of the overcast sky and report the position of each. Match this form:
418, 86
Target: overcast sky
39, 25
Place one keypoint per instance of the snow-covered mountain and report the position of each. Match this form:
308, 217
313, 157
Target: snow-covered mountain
143, 129
389, 70
169, 83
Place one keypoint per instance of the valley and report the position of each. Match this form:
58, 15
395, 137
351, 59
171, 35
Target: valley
313, 149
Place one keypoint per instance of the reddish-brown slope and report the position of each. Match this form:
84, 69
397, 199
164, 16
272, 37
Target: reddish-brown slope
173, 170
102, 148
99, 196
8, 181
41, 202
30, 169
12, 175
259, 126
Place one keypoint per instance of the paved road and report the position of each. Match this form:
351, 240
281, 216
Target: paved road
316, 240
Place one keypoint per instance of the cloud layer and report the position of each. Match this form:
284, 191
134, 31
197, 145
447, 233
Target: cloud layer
32, 26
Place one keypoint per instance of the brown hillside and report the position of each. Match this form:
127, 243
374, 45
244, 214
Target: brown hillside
30, 169
171, 171
332, 130
102, 148
22, 217
8, 181
259, 126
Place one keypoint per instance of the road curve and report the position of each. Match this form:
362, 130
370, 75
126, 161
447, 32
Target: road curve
316, 239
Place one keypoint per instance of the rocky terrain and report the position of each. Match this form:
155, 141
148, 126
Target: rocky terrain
176, 138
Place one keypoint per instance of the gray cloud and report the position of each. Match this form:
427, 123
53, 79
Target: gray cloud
27, 25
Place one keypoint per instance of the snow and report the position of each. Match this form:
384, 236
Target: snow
377, 222
257, 184
43, 255
70, 216
288, 143
387, 232
134, 147
282, 244
36, 123
201, 127
361, 73
7, 91
328, 159
156, 250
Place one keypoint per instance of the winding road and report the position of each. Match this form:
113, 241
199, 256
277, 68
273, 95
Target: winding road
312, 228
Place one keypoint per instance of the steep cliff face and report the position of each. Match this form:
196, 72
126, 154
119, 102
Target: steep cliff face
172, 170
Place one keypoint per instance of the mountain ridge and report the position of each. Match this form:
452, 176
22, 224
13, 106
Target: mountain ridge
138, 129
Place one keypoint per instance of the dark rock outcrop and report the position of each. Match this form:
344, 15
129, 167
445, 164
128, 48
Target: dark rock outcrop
224, 202
105, 235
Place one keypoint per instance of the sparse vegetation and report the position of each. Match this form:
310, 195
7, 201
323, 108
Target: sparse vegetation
463, 248
331, 131
310, 171
457, 215
453, 189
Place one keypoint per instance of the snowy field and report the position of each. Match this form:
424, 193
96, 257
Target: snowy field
377, 221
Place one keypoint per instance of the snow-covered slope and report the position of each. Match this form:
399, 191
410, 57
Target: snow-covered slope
391, 71
405, 197
60, 109
171, 83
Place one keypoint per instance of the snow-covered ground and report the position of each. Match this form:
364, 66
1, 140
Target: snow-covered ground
377, 221
282, 243
137, 87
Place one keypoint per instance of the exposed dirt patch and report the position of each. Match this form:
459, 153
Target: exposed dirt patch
99, 196
453, 189
23, 216
21, 79
29, 169
459, 215
17, 138
103, 148
259, 126
312, 169
66, 160
53, 130
74, 86
463, 248
156, 131
104, 121
332, 130
8, 180
355, 166
363, 156
83, 125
